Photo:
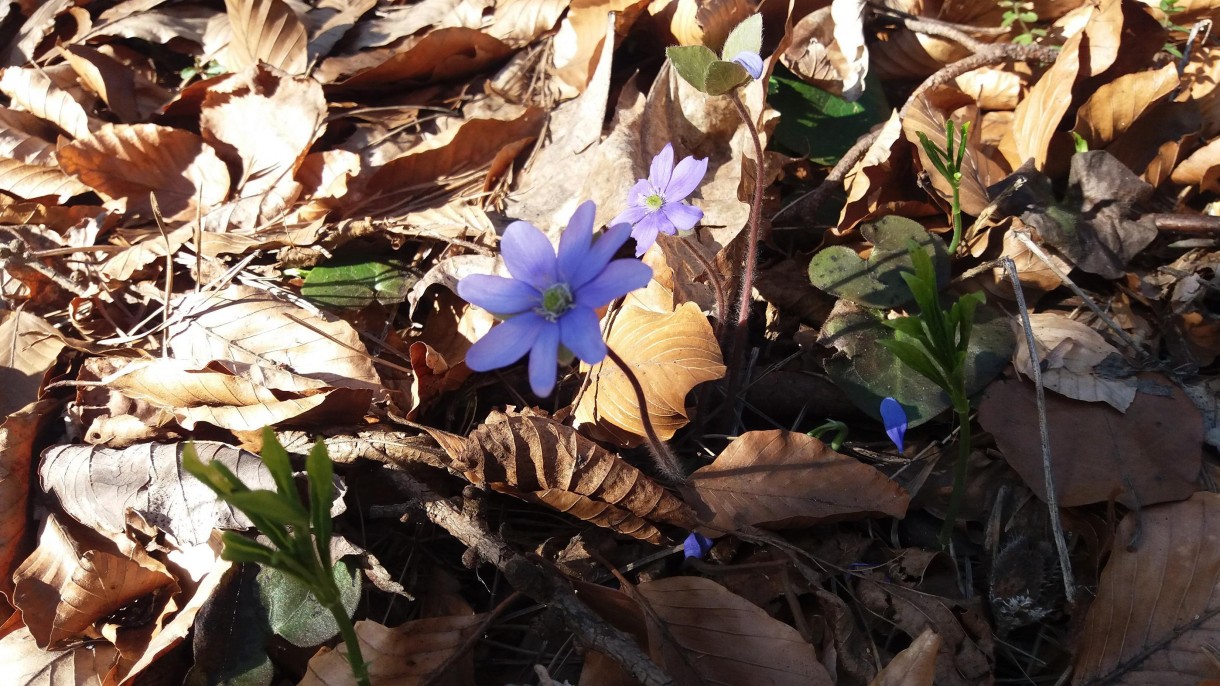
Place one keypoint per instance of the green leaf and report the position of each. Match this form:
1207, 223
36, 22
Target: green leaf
230, 633
877, 282
294, 613
355, 282
917, 359
271, 506
321, 491
692, 62
276, 459
817, 124
238, 548
723, 77
745, 37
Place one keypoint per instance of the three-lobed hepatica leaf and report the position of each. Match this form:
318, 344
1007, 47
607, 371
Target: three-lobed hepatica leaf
717, 76
877, 282
352, 284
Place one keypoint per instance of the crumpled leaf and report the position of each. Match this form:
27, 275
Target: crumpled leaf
704, 633
98, 485
406, 654
877, 282
267, 31
782, 478
540, 460
26, 662
915, 666
18, 432
36, 93
1157, 612
29, 346
1070, 354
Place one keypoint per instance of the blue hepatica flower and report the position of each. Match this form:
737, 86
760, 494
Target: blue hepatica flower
550, 300
895, 420
696, 545
752, 62
655, 205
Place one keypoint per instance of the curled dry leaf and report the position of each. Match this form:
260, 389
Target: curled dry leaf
68, 585
1115, 106
915, 666
704, 633
784, 478
37, 94
98, 485
17, 435
31, 181
26, 138
124, 164
25, 662
1069, 354
540, 460
266, 31
1157, 611
406, 654
1150, 454
250, 326
29, 346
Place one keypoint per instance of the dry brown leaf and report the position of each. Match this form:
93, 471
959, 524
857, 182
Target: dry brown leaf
157, 25
1157, 611
519, 22
97, 486
1202, 168
581, 35
1069, 355
703, 633
266, 31
67, 585
29, 346
251, 326
1116, 105
928, 116
39, 24
27, 138
109, 79
669, 352
440, 55
125, 163
27, 663
1150, 454
783, 478
405, 655
540, 460
31, 181
915, 666
35, 93
17, 434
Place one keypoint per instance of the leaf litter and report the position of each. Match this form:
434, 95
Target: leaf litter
216, 217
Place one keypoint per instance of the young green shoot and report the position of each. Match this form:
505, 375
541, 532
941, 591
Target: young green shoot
948, 163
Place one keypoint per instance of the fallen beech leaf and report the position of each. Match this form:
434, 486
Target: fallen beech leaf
27, 663
703, 633
66, 585
927, 116
266, 31
542, 461
781, 478
125, 163
1156, 610
1069, 353
36, 93
17, 434
401, 656
520, 22
1150, 454
251, 326
111, 80
915, 666
26, 138
1115, 106
582, 32
441, 55
29, 346
847, 16
1202, 168
97, 485
30, 181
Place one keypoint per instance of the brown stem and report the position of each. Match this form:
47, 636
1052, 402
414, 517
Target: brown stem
667, 463
737, 349
717, 285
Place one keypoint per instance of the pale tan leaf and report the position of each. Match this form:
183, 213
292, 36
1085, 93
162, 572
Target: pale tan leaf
1157, 611
1115, 106
111, 80
520, 22
97, 485
124, 163
1036, 118
581, 34
543, 461
30, 181
1202, 168
29, 346
251, 326
67, 585
39, 24
1069, 353
915, 666
17, 434
33, 92
157, 25
26, 138
670, 353
267, 31
405, 655
848, 19
26, 663
784, 478
707, 634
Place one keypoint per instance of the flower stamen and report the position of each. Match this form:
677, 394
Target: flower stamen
556, 300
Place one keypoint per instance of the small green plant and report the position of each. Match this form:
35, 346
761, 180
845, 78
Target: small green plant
934, 343
1171, 7
839, 429
301, 537
1021, 14
948, 163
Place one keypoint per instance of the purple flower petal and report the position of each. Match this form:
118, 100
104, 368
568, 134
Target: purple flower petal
895, 420
497, 294
505, 344
681, 215
575, 241
581, 333
631, 215
752, 63
619, 278
654, 223
542, 359
662, 167
687, 176
645, 235
696, 545
528, 255
600, 255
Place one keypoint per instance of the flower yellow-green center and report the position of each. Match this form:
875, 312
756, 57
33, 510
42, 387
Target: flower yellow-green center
556, 300
654, 201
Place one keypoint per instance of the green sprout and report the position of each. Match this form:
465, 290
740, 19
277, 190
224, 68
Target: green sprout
1021, 13
948, 162
834, 425
934, 343
301, 537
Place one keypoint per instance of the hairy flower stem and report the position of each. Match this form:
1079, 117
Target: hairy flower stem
737, 349
962, 410
666, 461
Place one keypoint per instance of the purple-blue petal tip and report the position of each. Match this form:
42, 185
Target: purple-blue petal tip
895, 420
752, 62
696, 545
